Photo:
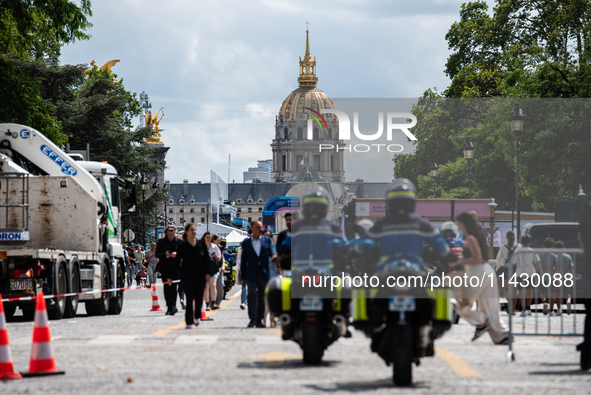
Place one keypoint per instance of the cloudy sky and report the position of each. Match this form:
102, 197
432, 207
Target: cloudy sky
221, 69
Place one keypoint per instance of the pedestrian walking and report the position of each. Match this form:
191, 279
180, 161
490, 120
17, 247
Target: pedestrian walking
194, 261
151, 261
254, 271
166, 251
487, 316
527, 262
564, 265
210, 293
243, 298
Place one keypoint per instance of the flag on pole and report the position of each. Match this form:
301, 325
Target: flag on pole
304, 161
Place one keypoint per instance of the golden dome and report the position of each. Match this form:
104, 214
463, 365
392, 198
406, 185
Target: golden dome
293, 106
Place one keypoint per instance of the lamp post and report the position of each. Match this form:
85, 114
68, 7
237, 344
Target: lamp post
516, 126
469, 155
492, 231
129, 179
144, 185
155, 186
433, 171
165, 208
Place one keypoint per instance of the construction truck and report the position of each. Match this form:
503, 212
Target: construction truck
60, 228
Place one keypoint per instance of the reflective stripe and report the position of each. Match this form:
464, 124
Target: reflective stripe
286, 294
360, 305
5, 355
443, 307
337, 305
3, 337
400, 193
315, 199
2, 319
41, 351
41, 319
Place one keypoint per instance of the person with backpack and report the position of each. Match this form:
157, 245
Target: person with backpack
505, 259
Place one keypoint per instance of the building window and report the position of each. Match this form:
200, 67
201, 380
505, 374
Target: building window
192, 210
170, 211
249, 219
260, 209
316, 164
202, 220
192, 201
332, 162
330, 133
284, 164
250, 209
202, 209
260, 219
181, 210
299, 159
239, 209
285, 134
300, 134
315, 134
192, 220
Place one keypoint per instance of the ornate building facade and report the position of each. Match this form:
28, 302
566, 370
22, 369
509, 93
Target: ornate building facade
292, 150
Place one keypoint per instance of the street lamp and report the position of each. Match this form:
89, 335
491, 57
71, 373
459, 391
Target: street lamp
144, 185
516, 126
165, 203
469, 155
433, 171
155, 186
492, 204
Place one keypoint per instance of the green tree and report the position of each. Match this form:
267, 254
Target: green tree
522, 49
39, 28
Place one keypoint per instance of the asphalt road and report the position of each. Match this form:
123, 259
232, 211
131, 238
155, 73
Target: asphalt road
144, 352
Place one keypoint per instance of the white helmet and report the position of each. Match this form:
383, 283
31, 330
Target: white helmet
449, 225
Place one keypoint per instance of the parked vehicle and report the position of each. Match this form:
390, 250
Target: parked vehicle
60, 227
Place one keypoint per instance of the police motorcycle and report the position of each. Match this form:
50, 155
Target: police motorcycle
404, 317
309, 314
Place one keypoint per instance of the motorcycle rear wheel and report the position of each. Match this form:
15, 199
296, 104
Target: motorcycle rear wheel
312, 343
402, 366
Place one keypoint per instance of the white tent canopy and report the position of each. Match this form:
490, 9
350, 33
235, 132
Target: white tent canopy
235, 237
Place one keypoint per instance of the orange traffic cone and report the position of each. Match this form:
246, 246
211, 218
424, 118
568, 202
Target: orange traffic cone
155, 305
6, 367
204, 316
41, 362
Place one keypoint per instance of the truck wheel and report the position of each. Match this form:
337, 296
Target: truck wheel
116, 303
61, 288
312, 343
402, 366
100, 306
72, 301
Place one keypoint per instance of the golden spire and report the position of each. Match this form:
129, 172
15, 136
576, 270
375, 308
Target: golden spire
307, 78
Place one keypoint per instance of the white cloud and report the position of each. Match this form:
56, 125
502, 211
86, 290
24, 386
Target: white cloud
222, 69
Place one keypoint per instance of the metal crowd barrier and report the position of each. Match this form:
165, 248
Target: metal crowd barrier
544, 322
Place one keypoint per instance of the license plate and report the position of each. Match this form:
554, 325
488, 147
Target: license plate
21, 284
402, 303
311, 303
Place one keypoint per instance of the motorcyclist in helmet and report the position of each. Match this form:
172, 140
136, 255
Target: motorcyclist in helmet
314, 238
401, 233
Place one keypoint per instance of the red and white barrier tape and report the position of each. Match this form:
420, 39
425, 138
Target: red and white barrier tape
83, 293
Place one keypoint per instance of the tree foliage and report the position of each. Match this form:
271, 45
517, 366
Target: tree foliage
523, 49
39, 28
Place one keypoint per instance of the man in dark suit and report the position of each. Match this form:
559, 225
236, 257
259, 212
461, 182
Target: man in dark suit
254, 271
